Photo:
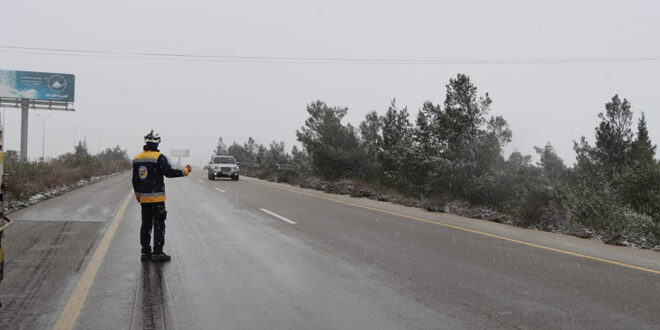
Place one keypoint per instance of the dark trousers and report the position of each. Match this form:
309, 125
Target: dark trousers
153, 216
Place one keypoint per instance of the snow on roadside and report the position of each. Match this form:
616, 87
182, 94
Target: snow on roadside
15, 205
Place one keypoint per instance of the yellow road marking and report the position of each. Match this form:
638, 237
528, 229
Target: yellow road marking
473, 231
77, 300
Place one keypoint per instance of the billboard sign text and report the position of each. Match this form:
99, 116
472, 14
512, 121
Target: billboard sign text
37, 85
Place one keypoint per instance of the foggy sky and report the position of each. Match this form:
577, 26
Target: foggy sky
191, 103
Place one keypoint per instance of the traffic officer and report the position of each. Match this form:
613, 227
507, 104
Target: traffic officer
149, 167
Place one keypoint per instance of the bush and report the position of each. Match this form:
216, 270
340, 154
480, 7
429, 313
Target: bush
600, 207
25, 178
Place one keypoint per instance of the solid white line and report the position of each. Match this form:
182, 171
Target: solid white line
278, 216
220, 190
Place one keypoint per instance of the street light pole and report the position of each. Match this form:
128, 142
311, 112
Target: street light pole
43, 136
99, 137
74, 135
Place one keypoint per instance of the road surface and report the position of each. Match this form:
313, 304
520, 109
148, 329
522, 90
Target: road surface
258, 255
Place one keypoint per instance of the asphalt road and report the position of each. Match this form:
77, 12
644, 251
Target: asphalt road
258, 255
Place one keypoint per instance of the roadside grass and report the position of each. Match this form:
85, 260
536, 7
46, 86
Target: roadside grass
537, 212
27, 178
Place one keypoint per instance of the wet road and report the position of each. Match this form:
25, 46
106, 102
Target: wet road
257, 255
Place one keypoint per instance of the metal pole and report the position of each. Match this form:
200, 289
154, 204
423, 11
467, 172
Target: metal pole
25, 104
43, 140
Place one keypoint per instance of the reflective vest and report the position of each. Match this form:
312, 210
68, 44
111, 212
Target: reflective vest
149, 167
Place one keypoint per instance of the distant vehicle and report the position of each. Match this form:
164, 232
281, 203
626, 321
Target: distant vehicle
223, 166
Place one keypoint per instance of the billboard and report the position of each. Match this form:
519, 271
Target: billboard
37, 85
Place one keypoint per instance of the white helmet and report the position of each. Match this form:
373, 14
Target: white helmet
152, 137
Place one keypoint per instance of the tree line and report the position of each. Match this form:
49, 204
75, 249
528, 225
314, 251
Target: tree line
454, 151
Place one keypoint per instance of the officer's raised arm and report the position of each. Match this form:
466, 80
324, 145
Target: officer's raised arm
169, 171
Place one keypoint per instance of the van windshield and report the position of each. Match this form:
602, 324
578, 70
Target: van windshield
224, 160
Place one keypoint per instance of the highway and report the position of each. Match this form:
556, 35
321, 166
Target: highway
251, 254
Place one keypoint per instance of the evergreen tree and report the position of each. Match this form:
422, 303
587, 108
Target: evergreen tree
614, 136
611, 154
552, 166
641, 180
260, 155
464, 113
643, 151
81, 148
250, 151
333, 148
426, 150
422, 133
395, 156
370, 133
238, 152
371, 143
300, 160
473, 143
275, 156
221, 147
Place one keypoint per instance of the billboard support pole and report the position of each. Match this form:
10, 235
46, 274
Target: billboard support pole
25, 104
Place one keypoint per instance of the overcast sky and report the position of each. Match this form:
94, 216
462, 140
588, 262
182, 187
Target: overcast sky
191, 102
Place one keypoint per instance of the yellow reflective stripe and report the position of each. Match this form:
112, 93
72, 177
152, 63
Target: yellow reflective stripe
156, 199
147, 155
153, 194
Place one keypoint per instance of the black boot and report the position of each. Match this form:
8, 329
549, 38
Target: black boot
146, 256
160, 256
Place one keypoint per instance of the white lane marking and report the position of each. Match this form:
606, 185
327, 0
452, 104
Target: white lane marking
220, 190
200, 180
278, 216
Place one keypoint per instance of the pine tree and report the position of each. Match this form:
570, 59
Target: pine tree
371, 143
641, 180
81, 148
614, 136
643, 151
300, 160
370, 133
221, 147
395, 156
250, 151
238, 152
553, 167
463, 113
333, 148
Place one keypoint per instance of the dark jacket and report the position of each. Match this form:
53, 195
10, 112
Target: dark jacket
149, 167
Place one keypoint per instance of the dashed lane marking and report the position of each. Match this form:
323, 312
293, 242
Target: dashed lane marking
220, 190
464, 229
278, 216
77, 299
